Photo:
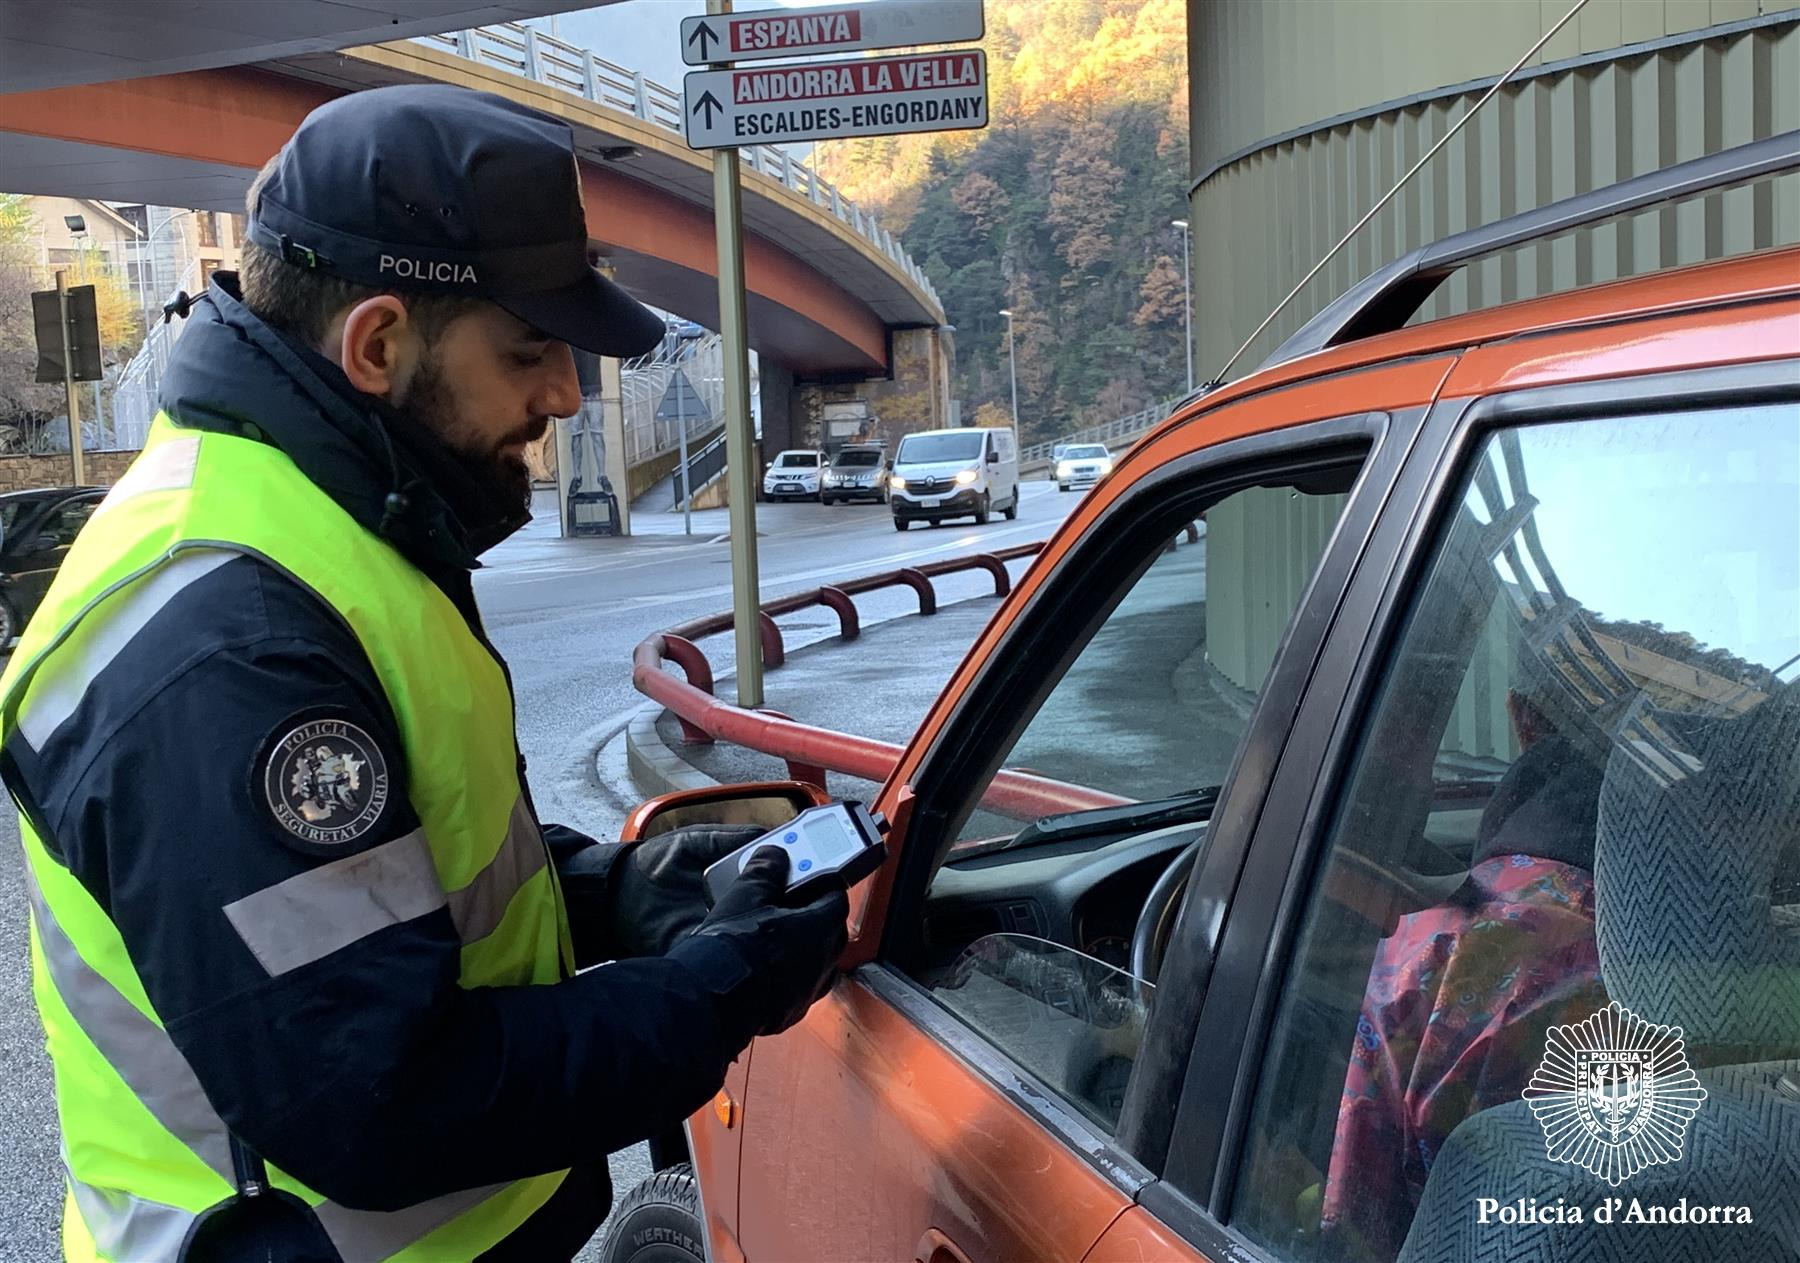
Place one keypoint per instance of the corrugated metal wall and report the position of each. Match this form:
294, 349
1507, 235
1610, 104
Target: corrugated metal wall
1261, 220
1262, 546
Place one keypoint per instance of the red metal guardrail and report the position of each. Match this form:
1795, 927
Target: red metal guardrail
810, 752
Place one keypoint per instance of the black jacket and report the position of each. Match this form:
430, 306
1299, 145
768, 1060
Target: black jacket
369, 1074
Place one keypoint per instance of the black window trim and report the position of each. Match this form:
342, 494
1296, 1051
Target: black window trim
1132, 527
1287, 846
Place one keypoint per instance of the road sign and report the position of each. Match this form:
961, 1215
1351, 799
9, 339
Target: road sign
876, 96
82, 353
850, 28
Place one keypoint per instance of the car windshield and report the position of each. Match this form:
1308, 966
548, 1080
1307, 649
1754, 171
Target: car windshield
797, 460
857, 460
924, 449
1085, 453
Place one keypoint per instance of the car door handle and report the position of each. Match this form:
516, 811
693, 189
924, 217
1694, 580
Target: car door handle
935, 1247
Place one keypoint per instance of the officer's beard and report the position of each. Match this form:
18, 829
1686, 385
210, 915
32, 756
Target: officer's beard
487, 485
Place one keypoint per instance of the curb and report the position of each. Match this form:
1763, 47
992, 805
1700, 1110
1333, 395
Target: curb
654, 768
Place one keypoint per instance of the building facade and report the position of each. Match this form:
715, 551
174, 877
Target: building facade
1304, 114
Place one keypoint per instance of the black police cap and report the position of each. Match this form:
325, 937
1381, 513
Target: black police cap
444, 190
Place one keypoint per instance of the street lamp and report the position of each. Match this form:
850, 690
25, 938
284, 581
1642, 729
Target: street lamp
1012, 363
1187, 301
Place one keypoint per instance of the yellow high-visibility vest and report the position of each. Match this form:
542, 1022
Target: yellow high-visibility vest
145, 1151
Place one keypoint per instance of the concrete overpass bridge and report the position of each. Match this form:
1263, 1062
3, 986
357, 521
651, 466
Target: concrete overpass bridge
838, 312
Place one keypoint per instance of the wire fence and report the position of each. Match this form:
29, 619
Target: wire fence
646, 382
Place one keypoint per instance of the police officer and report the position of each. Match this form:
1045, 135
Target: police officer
305, 963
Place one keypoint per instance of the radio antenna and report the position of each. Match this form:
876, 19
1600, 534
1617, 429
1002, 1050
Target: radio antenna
1389, 195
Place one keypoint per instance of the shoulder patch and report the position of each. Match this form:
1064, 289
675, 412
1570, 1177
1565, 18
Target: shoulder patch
325, 782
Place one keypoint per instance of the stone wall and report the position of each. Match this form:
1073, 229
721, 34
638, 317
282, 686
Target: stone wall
916, 396
22, 473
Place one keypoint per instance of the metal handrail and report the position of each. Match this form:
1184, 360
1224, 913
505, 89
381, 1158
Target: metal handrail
545, 59
810, 751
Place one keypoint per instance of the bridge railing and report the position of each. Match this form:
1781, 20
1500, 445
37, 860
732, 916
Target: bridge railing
559, 64
1129, 427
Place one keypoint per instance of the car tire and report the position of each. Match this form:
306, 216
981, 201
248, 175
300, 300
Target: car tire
1062, 486
1012, 509
983, 511
827, 501
658, 1222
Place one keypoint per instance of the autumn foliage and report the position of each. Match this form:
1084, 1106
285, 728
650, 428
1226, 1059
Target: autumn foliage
1059, 211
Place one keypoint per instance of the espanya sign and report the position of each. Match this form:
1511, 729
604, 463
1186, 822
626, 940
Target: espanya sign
880, 96
764, 33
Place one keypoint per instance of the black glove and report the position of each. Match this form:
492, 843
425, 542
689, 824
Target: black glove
766, 957
639, 899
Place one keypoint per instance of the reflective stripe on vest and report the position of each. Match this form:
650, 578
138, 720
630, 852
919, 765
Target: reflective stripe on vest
145, 1151
312, 914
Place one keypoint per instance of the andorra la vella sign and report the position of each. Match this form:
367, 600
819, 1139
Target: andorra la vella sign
877, 96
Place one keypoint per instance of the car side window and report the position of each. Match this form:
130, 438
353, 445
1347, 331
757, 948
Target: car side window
1573, 820
1052, 874
66, 521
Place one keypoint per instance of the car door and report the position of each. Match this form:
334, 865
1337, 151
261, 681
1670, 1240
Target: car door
1546, 765
974, 1091
36, 559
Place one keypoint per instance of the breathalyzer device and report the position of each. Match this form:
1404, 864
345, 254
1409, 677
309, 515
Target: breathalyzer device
839, 840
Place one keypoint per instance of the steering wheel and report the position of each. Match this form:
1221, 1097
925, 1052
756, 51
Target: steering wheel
1150, 938
1382, 893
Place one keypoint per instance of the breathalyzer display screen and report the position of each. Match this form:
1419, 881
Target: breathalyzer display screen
840, 840
819, 839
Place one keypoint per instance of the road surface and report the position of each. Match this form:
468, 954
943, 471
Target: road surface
566, 614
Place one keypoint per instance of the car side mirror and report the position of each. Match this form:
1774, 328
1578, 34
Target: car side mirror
766, 804
993, 458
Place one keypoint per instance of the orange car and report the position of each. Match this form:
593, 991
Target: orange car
1453, 907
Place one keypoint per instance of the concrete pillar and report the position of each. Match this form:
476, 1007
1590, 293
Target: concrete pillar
780, 405
612, 405
565, 470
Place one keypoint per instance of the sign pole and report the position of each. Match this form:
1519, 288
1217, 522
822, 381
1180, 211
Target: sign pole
76, 464
740, 451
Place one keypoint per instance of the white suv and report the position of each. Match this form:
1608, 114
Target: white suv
793, 475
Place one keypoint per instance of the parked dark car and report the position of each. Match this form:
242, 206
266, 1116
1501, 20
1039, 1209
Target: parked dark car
36, 529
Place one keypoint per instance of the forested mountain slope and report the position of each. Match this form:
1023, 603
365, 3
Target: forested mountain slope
1059, 211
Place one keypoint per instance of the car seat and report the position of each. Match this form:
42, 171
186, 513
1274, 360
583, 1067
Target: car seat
1689, 854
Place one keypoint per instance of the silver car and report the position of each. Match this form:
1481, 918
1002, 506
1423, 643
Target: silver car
858, 472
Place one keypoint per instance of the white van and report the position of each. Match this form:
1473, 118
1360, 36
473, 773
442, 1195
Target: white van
941, 474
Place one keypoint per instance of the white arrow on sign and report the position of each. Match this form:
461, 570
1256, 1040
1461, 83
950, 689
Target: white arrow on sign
830, 100
850, 28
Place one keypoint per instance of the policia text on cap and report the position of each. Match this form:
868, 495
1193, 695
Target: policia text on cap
307, 960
